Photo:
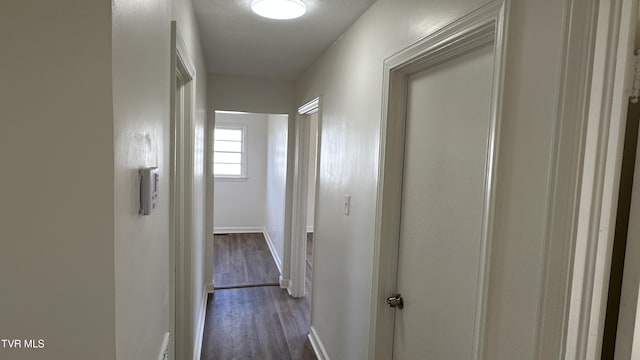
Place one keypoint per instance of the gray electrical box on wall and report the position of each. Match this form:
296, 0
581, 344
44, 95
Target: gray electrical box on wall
148, 190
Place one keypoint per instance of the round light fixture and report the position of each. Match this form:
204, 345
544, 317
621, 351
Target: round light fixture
279, 9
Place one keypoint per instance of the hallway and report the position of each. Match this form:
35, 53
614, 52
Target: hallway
100, 94
249, 316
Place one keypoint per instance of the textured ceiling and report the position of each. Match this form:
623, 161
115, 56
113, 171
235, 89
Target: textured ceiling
238, 42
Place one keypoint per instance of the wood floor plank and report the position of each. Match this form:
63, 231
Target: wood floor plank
254, 322
243, 259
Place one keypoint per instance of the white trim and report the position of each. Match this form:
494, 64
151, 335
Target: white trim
298, 243
238, 230
231, 112
221, 178
289, 200
578, 32
164, 348
309, 228
183, 57
602, 158
479, 28
285, 283
310, 107
197, 351
210, 189
272, 249
317, 345
299, 223
209, 288
584, 181
181, 221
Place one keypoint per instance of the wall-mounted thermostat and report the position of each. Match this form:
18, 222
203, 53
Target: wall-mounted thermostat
148, 190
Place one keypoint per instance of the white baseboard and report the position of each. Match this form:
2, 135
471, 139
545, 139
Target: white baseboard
316, 344
272, 248
237, 230
310, 229
197, 351
164, 348
285, 283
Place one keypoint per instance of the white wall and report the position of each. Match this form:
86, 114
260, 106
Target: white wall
276, 181
141, 126
56, 182
241, 93
141, 84
240, 204
349, 77
311, 188
85, 273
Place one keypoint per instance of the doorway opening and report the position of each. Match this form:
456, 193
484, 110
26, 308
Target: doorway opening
249, 168
251, 314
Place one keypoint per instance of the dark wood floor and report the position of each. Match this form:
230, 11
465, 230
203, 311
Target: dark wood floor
242, 260
259, 322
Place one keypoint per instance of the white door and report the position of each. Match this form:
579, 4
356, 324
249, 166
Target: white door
443, 200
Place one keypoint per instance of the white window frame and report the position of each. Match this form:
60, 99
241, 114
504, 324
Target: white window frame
243, 162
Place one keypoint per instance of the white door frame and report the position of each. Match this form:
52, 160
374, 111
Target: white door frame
210, 191
183, 87
298, 241
584, 179
566, 177
604, 142
479, 28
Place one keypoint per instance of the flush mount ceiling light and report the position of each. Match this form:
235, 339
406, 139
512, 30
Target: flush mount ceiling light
279, 9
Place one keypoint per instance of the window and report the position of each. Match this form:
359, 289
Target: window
229, 157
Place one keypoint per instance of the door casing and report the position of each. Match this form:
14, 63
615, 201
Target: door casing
477, 29
298, 266
181, 198
599, 173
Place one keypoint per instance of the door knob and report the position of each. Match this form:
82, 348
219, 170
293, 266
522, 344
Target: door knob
395, 301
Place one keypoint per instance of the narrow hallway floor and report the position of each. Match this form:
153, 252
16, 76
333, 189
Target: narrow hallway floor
243, 260
260, 321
